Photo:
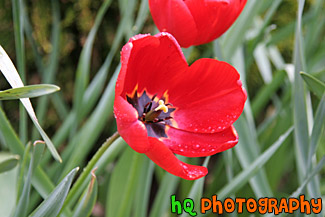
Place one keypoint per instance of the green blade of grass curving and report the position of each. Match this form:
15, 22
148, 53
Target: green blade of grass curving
243, 177
9, 71
122, 184
87, 201
315, 85
8, 161
21, 209
29, 91
51, 206
83, 68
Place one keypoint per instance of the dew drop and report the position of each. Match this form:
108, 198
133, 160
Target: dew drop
196, 146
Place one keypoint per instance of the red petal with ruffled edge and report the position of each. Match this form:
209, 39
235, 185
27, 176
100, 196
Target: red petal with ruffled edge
210, 97
200, 144
156, 63
163, 157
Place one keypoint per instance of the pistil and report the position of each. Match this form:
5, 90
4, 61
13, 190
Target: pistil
152, 115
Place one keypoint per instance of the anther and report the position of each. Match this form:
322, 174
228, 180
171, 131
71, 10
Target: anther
162, 106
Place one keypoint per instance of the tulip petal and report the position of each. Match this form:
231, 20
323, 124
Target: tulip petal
222, 24
173, 16
205, 16
129, 127
209, 99
213, 18
163, 157
195, 22
152, 64
191, 144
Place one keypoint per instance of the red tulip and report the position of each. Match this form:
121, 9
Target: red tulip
163, 106
195, 22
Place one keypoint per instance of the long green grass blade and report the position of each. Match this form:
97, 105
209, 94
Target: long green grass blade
301, 188
21, 209
317, 130
83, 69
315, 85
88, 199
122, 182
48, 73
51, 206
235, 35
9, 71
109, 155
40, 180
162, 199
29, 91
8, 192
142, 193
241, 179
18, 18
8, 161
263, 96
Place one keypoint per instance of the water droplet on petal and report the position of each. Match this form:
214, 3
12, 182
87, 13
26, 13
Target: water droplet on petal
196, 146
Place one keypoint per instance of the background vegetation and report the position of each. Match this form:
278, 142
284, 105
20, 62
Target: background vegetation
75, 45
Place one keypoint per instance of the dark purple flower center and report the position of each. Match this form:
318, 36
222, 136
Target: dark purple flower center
154, 114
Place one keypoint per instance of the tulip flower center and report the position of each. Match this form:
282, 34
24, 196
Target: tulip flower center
155, 114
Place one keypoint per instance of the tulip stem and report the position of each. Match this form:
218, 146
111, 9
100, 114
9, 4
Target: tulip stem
87, 170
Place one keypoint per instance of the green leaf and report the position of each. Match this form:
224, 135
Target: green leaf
51, 206
301, 188
29, 91
232, 39
315, 85
40, 181
122, 184
9, 71
317, 130
8, 192
8, 162
88, 199
243, 177
142, 194
83, 68
267, 91
21, 209
107, 157
18, 13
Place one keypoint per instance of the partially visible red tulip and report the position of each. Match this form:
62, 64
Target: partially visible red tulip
195, 22
163, 106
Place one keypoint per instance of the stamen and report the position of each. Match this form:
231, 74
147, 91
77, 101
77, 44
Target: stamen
162, 106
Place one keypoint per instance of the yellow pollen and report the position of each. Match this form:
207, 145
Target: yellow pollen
162, 106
